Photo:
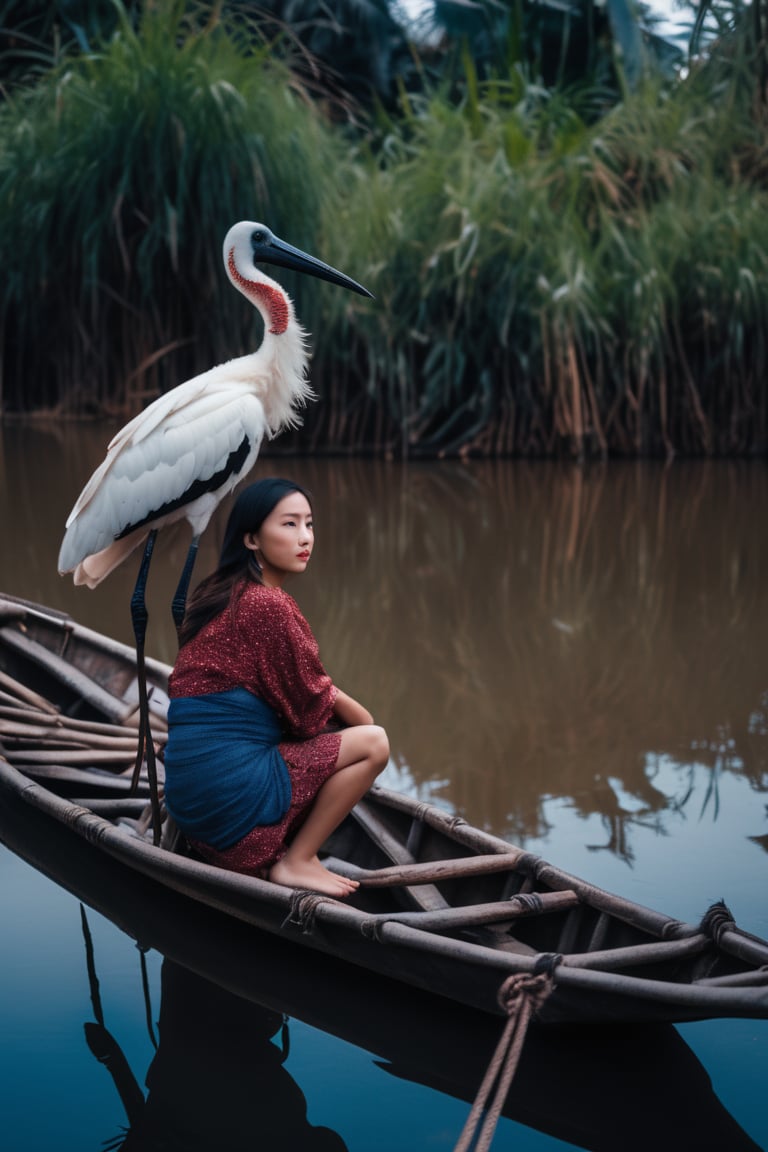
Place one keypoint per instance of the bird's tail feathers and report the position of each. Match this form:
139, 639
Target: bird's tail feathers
96, 568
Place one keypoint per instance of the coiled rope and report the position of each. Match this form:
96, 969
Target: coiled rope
303, 910
521, 996
716, 920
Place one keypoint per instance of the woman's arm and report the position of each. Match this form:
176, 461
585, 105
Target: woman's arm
349, 712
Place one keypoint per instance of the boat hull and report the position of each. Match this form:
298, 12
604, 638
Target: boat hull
442, 907
218, 968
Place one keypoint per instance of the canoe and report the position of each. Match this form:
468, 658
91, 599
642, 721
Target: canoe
222, 978
442, 907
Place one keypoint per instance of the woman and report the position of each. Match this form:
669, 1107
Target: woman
254, 777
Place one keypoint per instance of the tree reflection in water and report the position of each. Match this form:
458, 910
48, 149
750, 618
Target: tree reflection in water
523, 630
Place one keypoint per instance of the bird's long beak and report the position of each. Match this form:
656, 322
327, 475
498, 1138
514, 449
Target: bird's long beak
269, 249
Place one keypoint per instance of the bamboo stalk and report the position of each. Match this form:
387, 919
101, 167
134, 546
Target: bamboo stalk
61, 720
117, 781
110, 809
86, 756
21, 692
28, 734
159, 720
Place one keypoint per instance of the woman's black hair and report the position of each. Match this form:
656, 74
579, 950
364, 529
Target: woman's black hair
249, 512
237, 564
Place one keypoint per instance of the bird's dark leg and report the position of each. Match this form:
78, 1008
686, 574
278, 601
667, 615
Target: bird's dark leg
139, 617
179, 602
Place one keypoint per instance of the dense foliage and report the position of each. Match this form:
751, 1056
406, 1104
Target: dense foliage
571, 269
120, 174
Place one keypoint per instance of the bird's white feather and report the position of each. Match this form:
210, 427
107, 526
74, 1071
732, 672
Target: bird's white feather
210, 425
156, 470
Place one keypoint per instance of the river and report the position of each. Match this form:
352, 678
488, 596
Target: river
573, 659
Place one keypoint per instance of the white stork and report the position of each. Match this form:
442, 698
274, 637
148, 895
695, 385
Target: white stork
182, 455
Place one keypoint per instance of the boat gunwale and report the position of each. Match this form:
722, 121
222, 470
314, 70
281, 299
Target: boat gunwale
179, 873
14, 608
232, 892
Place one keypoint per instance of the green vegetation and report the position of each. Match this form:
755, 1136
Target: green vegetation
553, 286
120, 174
564, 270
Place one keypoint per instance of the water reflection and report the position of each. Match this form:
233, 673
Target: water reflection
524, 631
225, 989
219, 1077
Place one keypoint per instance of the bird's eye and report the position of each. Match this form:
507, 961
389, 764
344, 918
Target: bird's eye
259, 237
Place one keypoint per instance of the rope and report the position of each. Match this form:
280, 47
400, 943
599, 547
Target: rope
455, 822
529, 864
530, 901
303, 910
716, 920
521, 996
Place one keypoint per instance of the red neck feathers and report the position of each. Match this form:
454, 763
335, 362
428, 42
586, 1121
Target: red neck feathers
271, 298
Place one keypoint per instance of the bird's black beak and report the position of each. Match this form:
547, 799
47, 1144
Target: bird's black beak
269, 249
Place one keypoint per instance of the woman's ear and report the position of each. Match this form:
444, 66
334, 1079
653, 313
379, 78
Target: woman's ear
251, 542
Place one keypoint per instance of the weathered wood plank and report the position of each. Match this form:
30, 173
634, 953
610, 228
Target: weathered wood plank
426, 898
472, 915
433, 871
77, 682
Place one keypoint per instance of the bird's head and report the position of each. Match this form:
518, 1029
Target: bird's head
248, 244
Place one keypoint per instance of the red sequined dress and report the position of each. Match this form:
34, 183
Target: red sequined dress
262, 643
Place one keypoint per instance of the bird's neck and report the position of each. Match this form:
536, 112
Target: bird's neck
285, 387
279, 366
267, 296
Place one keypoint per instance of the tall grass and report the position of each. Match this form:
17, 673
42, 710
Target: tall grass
548, 281
555, 287
120, 174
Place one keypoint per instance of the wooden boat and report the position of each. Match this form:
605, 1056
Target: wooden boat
220, 976
442, 906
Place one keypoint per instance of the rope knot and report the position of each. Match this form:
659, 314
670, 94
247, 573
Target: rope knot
520, 996
547, 962
456, 822
716, 920
532, 988
529, 901
303, 910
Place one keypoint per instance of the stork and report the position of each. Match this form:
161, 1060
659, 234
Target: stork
186, 451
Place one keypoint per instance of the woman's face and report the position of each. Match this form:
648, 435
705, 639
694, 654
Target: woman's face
283, 543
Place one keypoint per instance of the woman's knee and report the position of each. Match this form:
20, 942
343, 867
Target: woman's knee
365, 742
379, 747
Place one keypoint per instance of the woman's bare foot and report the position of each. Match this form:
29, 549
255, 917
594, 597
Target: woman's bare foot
311, 874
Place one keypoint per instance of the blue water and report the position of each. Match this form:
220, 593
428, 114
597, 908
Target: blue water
55, 1093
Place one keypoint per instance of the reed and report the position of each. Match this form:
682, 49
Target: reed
552, 277
120, 174
559, 287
